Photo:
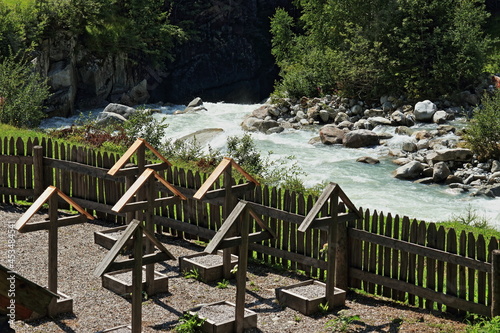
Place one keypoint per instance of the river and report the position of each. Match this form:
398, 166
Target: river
368, 186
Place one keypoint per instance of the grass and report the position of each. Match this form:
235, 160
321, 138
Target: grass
24, 3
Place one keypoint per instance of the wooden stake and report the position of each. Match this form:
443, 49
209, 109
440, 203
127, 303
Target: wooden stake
228, 208
38, 170
495, 283
150, 269
52, 263
242, 273
137, 283
332, 249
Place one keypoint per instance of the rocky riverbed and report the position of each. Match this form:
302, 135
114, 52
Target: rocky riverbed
435, 155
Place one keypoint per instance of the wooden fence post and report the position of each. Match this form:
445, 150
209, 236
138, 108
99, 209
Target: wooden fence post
342, 266
495, 283
38, 170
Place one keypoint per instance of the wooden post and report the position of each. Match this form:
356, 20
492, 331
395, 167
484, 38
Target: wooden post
129, 216
342, 265
228, 207
137, 283
242, 273
150, 269
52, 251
332, 249
495, 283
38, 170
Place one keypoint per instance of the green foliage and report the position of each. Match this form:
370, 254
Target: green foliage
485, 326
22, 93
245, 153
323, 307
143, 124
189, 323
193, 274
222, 284
342, 322
483, 132
368, 48
471, 218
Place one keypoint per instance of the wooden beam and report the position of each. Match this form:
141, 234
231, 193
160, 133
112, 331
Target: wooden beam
243, 172
169, 186
62, 222
143, 205
226, 226
154, 151
74, 204
115, 250
127, 196
261, 223
146, 260
225, 163
322, 200
238, 190
321, 222
158, 244
35, 207
125, 157
252, 238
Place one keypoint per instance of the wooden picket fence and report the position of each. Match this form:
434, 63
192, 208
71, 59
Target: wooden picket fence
392, 256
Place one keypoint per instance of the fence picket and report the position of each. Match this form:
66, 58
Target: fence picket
431, 263
451, 269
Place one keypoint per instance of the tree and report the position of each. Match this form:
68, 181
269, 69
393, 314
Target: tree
22, 94
483, 132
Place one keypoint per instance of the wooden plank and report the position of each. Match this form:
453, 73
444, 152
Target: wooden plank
387, 292
157, 154
313, 213
412, 261
226, 227
395, 262
421, 269
225, 163
481, 277
125, 157
17, 191
417, 249
70, 166
471, 273
35, 207
440, 244
254, 237
132, 191
462, 249
380, 251
147, 259
372, 261
403, 272
422, 292
289, 256
117, 247
242, 271
12, 170
293, 228
243, 172
431, 263
29, 168
61, 222
492, 245
451, 269
366, 246
183, 226
21, 168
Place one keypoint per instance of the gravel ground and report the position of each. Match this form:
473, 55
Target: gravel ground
96, 308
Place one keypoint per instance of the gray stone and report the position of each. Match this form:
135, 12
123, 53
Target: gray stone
324, 116
261, 112
331, 134
457, 154
425, 180
401, 161
360, 138
368, 160
374, 113
409, 146
379, 121
357, 109
452, 179
341, 116
251, 124
424, 111
411, 170
495, 166
439, 117
273, 130
107, 118
441, 172
404, 130
120, 109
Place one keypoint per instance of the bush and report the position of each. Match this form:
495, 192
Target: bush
483, 132
22, 93
143, 124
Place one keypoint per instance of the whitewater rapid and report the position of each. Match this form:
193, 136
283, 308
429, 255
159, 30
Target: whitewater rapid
368, 186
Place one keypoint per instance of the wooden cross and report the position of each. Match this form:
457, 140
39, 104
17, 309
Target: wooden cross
223, 239
51, 195
230, 193
136, 230
147, 179
331, 193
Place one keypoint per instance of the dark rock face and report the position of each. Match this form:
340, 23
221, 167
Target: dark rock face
230, 60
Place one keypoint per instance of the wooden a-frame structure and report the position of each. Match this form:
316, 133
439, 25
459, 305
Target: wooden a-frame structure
146, 184
136, 230
239, 218
331, 194
230, 193
120, 168
52, 195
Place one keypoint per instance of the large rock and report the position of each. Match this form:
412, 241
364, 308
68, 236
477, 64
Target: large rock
107, 118
424, 111
443, 155
440, 172
137, 95
331, 134
120, 109
202, 137
410, 170
439, 117
360, 138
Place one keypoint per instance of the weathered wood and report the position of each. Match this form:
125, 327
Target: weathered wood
492, 246
481, 275
387, 292
147, 259
421, 235
137, 263
462, 282
62, 222
372, 260
236, 240
412, 261
422, 292
451, 269
440, 244
202, 191
403, 271
289, 256
241, 274
431, 263
226, 227
495, 283
322, 200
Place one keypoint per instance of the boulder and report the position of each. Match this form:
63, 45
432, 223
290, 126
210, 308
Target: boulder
410, 170
440, 172
120, 109
360, 138
261, 112
424, 111
251, 124
456, 154
495, 166
379, 121
368, 160
107, 118
439, 117
202, 137
331, 134
324, 115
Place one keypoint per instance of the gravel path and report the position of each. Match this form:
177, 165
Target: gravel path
97, 309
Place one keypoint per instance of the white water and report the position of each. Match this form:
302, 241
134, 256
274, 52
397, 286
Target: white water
368, 186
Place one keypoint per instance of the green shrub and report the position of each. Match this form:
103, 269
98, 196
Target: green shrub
483, 132
22, 94
189, 323
143, 124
